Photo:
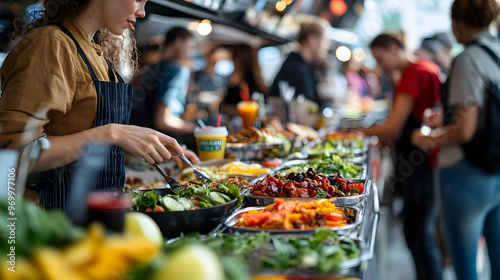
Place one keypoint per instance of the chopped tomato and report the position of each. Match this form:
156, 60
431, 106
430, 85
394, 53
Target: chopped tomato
258, 218
158, 208
334, 216
281, 204
360, 187
273, 162
149, 209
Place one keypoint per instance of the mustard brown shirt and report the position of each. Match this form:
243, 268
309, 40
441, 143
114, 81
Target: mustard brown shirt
46, 87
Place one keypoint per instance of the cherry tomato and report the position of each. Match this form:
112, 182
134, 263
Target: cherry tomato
334, 216
273, 162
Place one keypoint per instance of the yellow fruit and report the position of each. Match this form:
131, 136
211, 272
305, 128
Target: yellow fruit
84, 250
193, 262
53, 265
141, 225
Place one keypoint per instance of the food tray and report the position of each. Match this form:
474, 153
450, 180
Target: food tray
257, 151
355, 213
173, 223
218, 163
347, 267
339, 201
292, 163
356, 152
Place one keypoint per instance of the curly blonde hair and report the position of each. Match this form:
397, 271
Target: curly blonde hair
57, 11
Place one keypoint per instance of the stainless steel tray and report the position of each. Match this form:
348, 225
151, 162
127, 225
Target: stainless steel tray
356, 152
257, 151
339, 201
351, 228
292, 163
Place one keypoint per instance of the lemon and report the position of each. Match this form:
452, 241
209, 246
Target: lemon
192, 262
141, 225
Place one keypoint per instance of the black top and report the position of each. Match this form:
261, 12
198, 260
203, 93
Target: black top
299, 75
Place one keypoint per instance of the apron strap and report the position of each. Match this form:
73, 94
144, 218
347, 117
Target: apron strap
82, 54
113, 71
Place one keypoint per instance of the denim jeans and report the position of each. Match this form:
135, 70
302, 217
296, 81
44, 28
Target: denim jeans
470, 205
420, 217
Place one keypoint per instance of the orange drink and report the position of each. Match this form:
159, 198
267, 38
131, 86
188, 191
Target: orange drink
248, 112
211, 142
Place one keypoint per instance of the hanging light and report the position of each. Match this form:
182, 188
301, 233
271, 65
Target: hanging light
338, 7
204, 28
280, 6
359, 54
343, 53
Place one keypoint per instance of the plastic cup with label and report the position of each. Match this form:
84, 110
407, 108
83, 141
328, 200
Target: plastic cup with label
248, 111
211, 142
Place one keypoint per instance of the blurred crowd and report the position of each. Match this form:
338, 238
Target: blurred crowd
435, 99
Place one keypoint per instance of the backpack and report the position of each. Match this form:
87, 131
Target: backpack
484, 149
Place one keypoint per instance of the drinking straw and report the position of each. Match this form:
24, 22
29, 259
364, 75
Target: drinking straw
201, 123
242, 95
247, 91
220, 114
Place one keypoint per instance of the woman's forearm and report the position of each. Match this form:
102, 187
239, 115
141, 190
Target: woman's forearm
68, 148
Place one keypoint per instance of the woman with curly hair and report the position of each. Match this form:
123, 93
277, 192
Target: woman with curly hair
57, 82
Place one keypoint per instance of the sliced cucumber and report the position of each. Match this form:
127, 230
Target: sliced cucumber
171, 204
225, 196
217, 197
186, 203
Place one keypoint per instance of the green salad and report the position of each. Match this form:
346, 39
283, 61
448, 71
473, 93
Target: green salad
190, 198
329, 166
322, 252
342, 147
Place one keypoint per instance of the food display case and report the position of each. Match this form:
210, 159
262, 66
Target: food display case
361, 209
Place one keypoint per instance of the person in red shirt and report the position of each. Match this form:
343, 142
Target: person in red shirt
418, 88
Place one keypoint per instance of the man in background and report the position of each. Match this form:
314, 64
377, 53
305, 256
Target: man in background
297, 70
160, 90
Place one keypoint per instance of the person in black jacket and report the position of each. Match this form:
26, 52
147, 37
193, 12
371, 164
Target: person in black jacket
297, 68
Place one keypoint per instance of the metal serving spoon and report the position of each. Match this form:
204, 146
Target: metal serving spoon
200, 175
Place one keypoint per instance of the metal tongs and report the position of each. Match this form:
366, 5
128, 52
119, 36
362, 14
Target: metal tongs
175, 186
200, 175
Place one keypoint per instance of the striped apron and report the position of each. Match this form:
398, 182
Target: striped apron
113, 106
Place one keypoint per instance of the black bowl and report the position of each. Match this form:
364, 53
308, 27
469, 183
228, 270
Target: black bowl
160, 191
173, 223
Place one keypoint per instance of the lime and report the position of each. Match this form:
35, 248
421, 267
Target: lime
141, 225
192, 262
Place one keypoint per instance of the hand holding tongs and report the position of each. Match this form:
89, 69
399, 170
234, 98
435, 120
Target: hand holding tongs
174, 185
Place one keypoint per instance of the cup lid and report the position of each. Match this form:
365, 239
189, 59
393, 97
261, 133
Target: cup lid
210, 129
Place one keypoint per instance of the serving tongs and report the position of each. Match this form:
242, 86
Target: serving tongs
200, 175
174, 185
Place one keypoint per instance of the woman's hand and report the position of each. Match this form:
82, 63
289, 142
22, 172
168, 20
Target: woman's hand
193, 158
190, 155
146, 143
424, 142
